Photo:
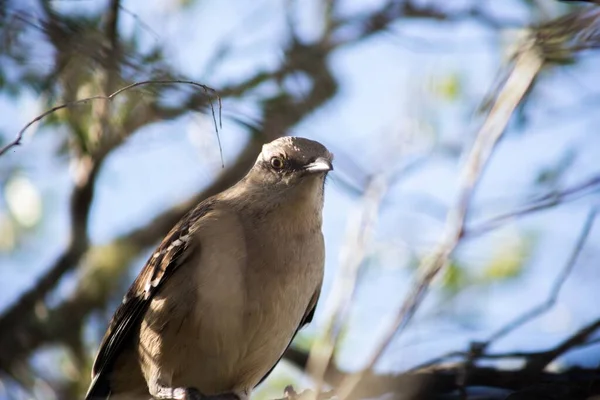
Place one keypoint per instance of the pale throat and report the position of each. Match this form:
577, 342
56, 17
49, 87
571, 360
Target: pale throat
304, 204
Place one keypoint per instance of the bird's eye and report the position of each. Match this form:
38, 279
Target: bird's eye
276, 162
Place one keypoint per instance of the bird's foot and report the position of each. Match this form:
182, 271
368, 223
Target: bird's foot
192, 394
289, 393
189, 393
167, 393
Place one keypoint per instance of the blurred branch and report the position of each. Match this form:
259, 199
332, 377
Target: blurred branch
103, 267
360, 233
573, 33
81, 200
438, 381
537, 362
535, 359
541, 203
479, 348
110, 97
106, 265
349, 30
562, 39
556, 286
527, 64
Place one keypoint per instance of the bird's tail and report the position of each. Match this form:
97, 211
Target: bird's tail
99, 389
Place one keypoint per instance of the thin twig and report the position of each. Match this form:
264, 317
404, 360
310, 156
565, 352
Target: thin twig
556, 286
527, 316
140, 22
93, 288
527, 64
580, 338
207, 89
542, 203
478, 348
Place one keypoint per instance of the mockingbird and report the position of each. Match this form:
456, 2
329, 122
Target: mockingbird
224, 294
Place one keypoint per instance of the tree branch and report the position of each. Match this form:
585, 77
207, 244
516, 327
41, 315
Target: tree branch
97, 283
527, 64
206, 89
541, 203
539, 361
441, 381
102, 267
556, 286
81, 200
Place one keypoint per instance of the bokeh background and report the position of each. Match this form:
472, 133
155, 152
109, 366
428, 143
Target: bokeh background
397, 91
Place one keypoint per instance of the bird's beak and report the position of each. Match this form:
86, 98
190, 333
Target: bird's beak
319, 165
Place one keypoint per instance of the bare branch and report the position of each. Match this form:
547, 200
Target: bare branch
477, 350
360, 233
96, 284
361, 26
527, 64
560, 40
541, 203
19, 137
556, 286
541, 360
81, 200
436, 381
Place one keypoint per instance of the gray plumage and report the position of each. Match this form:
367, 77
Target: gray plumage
224, 294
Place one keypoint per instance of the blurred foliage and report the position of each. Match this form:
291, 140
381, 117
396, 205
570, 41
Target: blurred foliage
508, 259
448, 87
23, 201
455, 278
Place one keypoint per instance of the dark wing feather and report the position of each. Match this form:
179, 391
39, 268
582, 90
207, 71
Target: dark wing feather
170, 254
307, 319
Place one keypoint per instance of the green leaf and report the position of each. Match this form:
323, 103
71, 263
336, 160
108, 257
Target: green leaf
455, 278
508, 260
448, 88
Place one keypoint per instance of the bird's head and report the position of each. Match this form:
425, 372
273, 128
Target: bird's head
290, 172
290, 162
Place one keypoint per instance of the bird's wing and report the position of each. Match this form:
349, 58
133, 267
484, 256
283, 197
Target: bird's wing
306, 319
310, 310
170, 254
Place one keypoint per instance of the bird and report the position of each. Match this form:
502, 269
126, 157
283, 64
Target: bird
226, 291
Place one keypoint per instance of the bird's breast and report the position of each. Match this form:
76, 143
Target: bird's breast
236, 312
282, 276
